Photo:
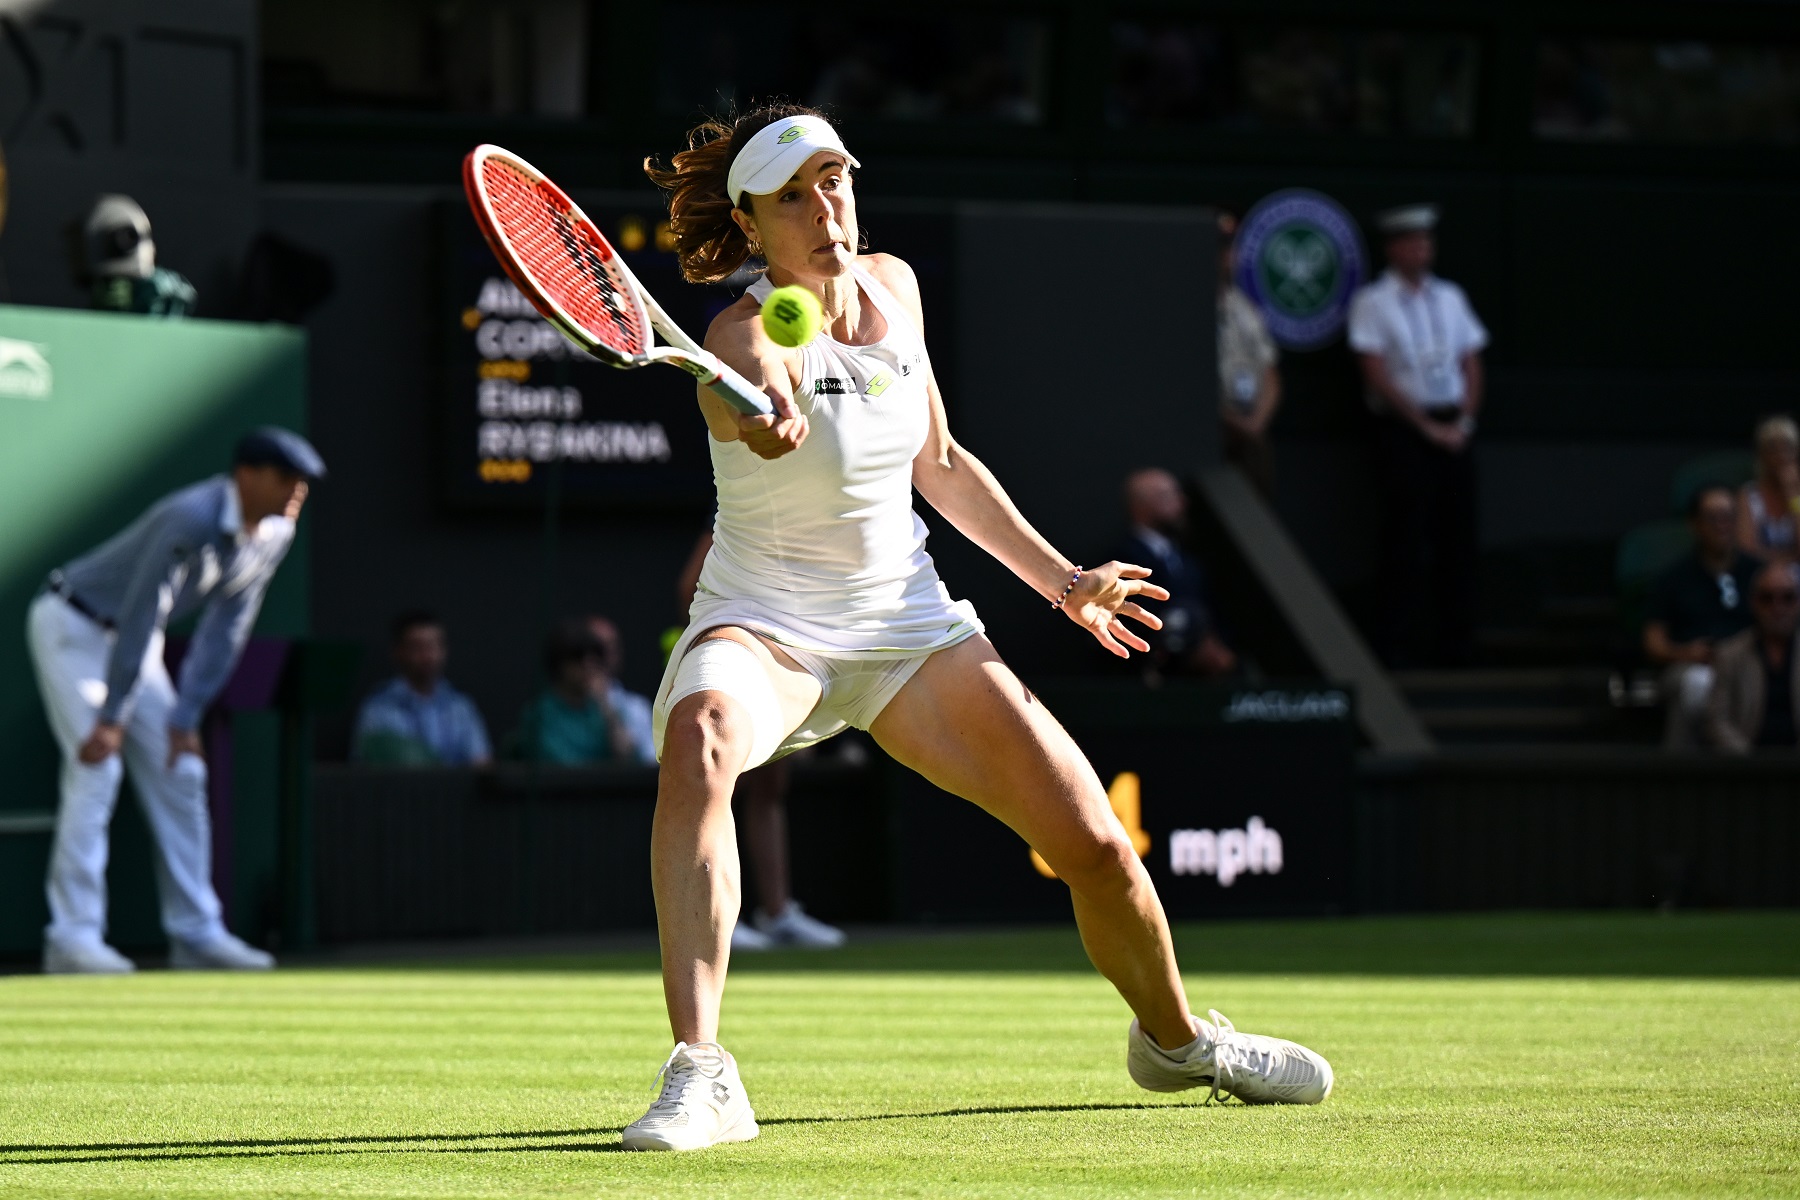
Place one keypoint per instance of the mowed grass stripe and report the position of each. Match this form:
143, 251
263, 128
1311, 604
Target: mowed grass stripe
928, 1077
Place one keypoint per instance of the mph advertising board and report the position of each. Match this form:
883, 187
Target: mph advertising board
1236, 798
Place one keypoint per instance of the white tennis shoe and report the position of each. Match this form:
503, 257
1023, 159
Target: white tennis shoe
84, 958
702, 1103
793, 928
1254, 1068
221, 953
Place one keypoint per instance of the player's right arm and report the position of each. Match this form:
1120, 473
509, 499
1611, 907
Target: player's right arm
736, 336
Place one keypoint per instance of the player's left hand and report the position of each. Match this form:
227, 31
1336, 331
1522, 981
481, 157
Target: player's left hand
183, 741
1105, 595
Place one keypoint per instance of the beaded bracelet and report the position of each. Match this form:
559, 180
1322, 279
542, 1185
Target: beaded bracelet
1060, 600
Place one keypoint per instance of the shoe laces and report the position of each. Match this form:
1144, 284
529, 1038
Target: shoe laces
682, 1070
1233, 1054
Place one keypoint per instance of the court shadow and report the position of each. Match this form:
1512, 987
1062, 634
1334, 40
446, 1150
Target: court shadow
522, 1142
423, 1143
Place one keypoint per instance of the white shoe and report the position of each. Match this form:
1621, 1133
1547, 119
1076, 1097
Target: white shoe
702, 1103
223, 953
1254, 1068
745, 936
792, 927
85, 958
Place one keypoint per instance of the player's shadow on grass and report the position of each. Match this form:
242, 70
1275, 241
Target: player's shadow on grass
520, 1142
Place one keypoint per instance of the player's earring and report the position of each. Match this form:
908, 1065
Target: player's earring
756, 249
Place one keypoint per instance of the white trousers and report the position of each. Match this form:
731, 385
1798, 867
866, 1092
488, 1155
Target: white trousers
70, 653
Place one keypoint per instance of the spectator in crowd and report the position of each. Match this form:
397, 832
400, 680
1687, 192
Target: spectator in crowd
1419, 344
1756, 693
1694, 605
1189, 642
1249, 384
1768, 504
417, 718
585, 715
96, 640
779, 919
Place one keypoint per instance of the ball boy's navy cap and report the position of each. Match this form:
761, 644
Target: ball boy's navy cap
277, 447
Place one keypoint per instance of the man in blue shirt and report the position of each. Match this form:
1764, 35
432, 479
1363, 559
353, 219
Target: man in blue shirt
417, 718
96, 640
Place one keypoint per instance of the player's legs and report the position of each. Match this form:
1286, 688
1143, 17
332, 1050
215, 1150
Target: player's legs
174, 803
967, 724
69, 654
711, 736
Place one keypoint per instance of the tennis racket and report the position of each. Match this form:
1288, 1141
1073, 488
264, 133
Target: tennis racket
558, 259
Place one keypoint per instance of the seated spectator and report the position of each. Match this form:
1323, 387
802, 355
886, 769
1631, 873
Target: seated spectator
1766, 506
418, 718
1694, 605
1188, 643
585, 715
1754, 699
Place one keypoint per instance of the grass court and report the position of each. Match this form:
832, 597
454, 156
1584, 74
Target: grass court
1590, 1055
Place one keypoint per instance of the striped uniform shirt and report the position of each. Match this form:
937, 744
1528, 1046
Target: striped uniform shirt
188, 551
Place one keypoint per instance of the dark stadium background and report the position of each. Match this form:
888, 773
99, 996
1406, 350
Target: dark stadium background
1639, 292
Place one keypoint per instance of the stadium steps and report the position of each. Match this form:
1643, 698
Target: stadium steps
1492, 706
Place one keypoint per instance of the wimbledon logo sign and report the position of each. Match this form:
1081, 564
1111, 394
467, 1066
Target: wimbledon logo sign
24, 369
1300, 259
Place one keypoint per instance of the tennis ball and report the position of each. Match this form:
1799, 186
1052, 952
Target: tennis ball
792, 316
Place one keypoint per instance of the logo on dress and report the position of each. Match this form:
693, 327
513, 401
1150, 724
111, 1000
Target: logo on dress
878, 383
827, 386
1300, 258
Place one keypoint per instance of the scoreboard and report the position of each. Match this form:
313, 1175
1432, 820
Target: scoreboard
524, 410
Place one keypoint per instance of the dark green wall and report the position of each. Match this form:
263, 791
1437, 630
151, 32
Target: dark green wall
136, 408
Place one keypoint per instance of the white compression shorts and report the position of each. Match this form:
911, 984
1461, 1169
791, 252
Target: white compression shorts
853, 688
725, 665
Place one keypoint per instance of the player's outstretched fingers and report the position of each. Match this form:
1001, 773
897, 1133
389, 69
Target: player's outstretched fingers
1140, 614
1105, 638
1120, 632
1132, 578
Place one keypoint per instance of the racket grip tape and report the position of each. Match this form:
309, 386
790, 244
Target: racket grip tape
737, 391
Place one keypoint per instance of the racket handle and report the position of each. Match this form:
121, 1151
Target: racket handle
737, 391
716, 377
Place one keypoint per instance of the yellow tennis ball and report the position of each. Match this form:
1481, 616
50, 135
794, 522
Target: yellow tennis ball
792, 316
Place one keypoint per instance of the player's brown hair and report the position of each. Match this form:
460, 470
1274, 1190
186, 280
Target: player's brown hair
708, 242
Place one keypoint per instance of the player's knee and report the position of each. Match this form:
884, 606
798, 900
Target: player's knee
1102, 862
708, 734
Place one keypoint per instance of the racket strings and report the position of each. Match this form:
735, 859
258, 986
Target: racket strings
567, 264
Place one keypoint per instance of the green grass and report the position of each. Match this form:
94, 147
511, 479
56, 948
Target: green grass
1521, 1055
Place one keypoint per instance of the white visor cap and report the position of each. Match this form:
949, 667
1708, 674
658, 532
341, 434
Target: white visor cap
776, 151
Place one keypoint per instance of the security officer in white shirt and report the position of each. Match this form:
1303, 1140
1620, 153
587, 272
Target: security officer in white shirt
1419, 344
96, 639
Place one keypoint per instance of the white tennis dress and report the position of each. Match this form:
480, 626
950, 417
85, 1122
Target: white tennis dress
820, 550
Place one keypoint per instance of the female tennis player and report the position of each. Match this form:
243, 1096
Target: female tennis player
818, 609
